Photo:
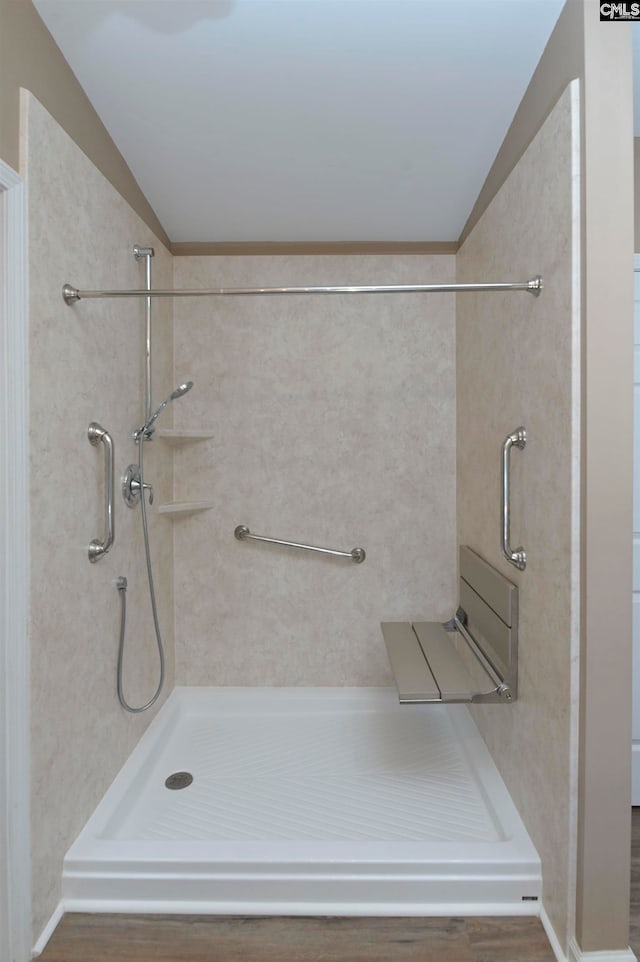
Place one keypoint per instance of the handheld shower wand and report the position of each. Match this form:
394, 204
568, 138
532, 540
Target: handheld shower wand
146, 427
133, 491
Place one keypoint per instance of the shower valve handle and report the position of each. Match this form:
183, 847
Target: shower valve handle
135, 487
131, 487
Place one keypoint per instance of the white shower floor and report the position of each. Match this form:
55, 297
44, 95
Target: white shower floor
313, 801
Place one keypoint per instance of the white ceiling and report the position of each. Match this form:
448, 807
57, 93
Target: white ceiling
306, 120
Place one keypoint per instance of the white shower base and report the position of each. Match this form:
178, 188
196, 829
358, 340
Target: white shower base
306, 801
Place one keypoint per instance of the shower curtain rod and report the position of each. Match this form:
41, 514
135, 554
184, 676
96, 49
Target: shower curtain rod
534, 286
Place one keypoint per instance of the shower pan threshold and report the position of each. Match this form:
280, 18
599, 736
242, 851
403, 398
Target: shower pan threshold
306, 801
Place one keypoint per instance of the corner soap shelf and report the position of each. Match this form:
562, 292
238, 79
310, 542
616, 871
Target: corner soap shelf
179, 436
183, 507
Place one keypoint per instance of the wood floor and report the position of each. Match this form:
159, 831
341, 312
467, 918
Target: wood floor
179, 938
161, 938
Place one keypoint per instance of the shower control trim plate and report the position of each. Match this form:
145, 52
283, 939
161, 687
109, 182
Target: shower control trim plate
131, 486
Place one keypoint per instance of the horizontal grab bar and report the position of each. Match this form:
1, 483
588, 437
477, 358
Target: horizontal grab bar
357, 555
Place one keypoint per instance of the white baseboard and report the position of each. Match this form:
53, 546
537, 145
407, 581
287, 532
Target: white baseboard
635, 771
48, 930
577, 955
558, 951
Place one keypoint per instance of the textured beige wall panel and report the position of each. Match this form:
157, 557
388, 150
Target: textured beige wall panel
86, 363
514, 367
334, 424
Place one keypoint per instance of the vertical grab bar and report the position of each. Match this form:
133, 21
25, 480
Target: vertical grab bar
518, 557
97, 434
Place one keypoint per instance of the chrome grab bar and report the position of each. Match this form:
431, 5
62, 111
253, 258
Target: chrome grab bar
357, 555
518, 558
97, 549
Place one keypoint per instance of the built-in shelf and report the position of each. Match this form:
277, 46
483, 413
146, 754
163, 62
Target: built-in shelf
183, 507
183, 435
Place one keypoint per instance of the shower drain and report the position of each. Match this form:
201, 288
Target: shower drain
179, 780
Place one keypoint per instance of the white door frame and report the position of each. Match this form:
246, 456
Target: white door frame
15, 870
635, 748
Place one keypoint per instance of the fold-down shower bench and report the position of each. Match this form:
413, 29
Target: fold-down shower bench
471, 658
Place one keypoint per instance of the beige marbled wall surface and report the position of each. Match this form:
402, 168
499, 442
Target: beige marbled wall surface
86, 363
333, 422
514, 367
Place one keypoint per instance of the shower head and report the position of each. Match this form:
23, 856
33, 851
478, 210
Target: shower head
180, 390
144, 432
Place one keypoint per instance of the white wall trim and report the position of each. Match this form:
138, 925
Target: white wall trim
557, 949
576, 496
49, 929
577, 955
14, 565
635, 767
635, 595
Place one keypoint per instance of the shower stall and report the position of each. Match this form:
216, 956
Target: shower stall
317, 800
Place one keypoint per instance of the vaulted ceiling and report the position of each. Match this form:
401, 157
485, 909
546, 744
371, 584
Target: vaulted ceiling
306, 120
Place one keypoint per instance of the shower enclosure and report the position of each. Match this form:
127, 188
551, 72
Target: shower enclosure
310, 799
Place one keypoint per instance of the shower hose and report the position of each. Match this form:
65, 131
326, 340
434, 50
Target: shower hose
121, 585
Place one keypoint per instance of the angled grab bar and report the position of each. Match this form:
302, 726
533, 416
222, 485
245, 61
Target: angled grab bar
518, 558
357, 555
97, 549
